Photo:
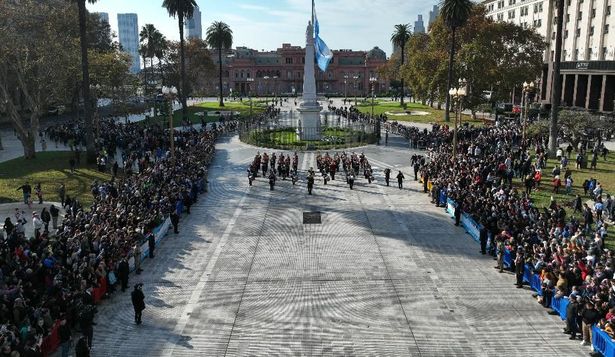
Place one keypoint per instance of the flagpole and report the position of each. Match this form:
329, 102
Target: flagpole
313, 13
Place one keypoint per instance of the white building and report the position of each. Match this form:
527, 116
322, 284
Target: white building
193, 25
588, 47
128, 32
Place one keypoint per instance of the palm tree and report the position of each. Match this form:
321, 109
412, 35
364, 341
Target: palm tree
161, 46
85, 83
181, 9
455, 14
399, 39
220, 36
147, 37
556, 93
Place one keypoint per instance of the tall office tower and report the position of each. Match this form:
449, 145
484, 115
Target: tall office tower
433, 15
128, 28
103, 16
193, 25
419, 26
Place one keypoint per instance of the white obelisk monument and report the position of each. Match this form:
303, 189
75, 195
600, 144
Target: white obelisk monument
309, 107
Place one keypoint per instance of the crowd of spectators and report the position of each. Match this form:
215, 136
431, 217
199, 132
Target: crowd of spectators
565, 247
51, 277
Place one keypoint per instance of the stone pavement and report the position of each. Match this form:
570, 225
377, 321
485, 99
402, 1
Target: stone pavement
385, 274
8, 210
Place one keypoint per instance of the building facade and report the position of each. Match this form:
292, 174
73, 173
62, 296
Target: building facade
104, 17
193, 25
588, 47
419, 26
433, 15
128, 32
248, 72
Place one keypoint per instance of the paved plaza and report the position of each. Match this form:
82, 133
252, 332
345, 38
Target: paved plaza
385, 274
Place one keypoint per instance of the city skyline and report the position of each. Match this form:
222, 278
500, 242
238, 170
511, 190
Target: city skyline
282, 21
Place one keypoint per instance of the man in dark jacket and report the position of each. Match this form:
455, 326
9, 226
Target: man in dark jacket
122, 273
400, 180
151, 242
589, 316
572, 314
387, 175
138, 302
64, 333
175, 221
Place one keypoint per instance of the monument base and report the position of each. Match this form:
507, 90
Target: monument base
310, 122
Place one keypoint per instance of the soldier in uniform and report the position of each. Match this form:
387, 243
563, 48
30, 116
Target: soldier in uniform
138, 302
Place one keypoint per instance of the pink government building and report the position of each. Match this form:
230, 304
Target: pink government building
248, 72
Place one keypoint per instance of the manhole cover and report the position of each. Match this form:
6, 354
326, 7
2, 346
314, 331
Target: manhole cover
311, 218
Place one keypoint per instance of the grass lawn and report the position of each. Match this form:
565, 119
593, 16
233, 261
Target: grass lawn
50, 168
242, 107
287, 139
605, 174
433, 116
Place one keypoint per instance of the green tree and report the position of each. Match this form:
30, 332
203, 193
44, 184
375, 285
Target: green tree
182, 9
39, 55
85, 81
146, 48
220, 36
399, 38
455, 14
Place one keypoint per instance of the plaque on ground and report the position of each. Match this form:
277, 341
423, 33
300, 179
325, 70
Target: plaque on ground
311, 218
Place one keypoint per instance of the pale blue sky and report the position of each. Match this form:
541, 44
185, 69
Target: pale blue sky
266, 24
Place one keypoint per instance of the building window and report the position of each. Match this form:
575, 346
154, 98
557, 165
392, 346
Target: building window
593, 13
606, 28
591, 31
566, 34
567, 18
603, 55
501, 16
576, 55
608, 10
552, 55
289, 60
564, 55
578, 33
580, 17
236, 75
511, 14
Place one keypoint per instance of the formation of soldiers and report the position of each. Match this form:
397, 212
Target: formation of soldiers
351, 165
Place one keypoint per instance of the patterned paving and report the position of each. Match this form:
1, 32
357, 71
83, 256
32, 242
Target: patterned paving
385, 274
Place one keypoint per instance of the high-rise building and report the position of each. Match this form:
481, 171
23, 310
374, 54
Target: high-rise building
128, 28
419, 26
104, 17
588, 49
433, 15
193, 25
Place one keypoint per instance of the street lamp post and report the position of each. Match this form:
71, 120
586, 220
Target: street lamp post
457, 94
527, 89
250, 81
170, 94
345, 88
275, 89
372, 81
355, 77
266, 78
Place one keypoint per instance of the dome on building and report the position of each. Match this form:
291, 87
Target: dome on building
376, 53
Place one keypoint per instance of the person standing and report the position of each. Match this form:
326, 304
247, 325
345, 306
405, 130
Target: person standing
65, 334
572, 315
310, 184
271, 181
400, 180
62, 194
351, 180
138, 302
81, 348
26, 189
151, 242
122, 273
416, 167
387, 175
55, 213
519, 265
46, 217
37, 224
589, 316
38, 190
137, 256
175, 221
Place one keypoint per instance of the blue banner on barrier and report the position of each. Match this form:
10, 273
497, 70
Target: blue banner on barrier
442, 199
507, 258
470, 226
602, 342
450, 207
536, 283
527, 274
559, 305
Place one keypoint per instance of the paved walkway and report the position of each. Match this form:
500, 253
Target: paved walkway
385, 274
8, 210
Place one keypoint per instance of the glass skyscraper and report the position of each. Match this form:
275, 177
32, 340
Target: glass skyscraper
128, 28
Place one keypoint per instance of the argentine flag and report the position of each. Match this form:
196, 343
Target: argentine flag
322, 52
